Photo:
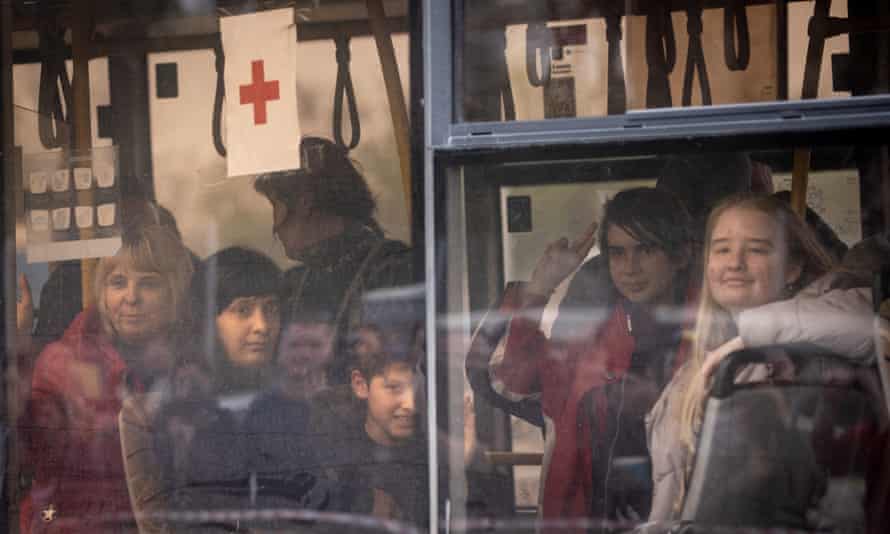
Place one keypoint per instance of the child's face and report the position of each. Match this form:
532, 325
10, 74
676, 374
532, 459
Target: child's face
642, 273
747, 263
304, 348
392, 411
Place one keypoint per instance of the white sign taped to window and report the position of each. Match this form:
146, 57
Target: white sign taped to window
262, 127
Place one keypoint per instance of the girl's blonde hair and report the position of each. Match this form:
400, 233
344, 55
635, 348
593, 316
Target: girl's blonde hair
714, 325
150, 248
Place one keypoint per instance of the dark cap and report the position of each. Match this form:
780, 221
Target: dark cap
327, 173
319, 158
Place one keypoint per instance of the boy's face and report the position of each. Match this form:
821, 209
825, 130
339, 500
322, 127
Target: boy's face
304, 348
643, 274
390, 396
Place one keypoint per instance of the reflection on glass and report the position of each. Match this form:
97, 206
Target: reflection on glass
609, 347
581, 59
246, 395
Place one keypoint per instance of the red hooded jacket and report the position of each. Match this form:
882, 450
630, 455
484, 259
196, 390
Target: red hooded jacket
70, 430
562, 374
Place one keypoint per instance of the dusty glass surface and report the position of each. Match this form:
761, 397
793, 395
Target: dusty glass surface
577, 343
541, 60
208, 341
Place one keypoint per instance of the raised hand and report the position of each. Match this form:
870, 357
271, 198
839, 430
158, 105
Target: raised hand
560, 259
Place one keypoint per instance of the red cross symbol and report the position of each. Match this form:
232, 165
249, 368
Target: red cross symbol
259, 91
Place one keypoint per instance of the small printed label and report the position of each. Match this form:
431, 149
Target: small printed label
60, 180
106, 214
84, 216
104, 176
40, 220
61, 218
83, 178
38, 181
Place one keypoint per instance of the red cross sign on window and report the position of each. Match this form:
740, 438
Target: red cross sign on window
259, 91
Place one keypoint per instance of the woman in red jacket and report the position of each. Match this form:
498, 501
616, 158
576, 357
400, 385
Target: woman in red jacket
596, 387
122, 343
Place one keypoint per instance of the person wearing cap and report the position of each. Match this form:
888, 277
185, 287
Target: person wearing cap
323, 214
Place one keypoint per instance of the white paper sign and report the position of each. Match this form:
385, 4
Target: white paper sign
61, 218
84, 216
60, 180
83, 178
262, 127
38, 181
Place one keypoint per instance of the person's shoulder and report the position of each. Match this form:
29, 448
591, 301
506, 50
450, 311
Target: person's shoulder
390, 263
293, 273
77, 341
389, 251
273, 405
336, 408
393, 246
54, 357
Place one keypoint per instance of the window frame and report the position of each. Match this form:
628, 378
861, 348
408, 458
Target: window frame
448, 142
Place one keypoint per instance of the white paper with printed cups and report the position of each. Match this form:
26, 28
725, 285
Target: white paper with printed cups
104, 175
84, 216
40, 220
83, 178
38, 181
61, 218
60, 180
106, 213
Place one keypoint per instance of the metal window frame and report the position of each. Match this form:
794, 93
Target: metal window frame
447, 142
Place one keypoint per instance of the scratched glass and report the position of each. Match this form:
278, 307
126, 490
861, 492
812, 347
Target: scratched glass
540, 60
572, 336
202, 349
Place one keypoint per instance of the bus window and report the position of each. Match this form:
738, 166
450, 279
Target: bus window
542, 62
578, 331
211, 335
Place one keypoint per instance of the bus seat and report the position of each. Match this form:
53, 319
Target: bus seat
786, 453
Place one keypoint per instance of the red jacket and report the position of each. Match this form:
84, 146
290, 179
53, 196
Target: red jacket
71, 433
562, 374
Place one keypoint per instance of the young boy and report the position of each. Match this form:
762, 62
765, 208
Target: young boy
596, 385
381, 447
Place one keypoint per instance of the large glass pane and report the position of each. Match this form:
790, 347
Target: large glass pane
541, 60
220, 311
577, 345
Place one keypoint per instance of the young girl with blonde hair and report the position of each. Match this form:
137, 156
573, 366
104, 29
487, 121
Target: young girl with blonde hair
766, 281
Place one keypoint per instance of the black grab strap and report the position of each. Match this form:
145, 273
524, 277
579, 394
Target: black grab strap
617, 94
735, 29
818, 32
695, 58
218, 98
538, 45
506, 87
661, 56
344, 88
51, 123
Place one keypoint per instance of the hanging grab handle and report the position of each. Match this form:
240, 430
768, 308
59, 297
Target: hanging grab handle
661, 57
344, 88
53, 74
538, 45
695, 58
735, 29
616, 99
218, 99
506, 86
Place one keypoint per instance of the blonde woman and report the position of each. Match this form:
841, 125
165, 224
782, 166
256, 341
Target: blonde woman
122, 343
765, 282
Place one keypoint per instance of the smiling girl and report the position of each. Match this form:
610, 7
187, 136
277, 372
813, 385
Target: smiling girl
766, 282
